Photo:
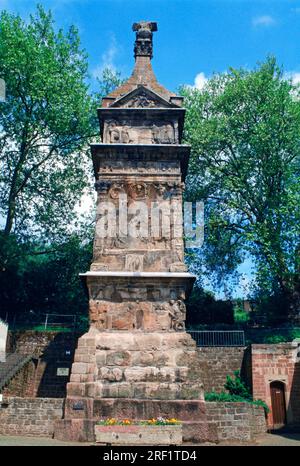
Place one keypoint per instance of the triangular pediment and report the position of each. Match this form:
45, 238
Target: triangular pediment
141, 97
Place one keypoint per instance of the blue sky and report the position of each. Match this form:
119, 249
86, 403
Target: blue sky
195, 37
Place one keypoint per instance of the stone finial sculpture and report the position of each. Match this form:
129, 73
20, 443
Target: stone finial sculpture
143, 45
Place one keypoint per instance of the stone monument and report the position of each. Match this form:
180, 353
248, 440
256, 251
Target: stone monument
136, 359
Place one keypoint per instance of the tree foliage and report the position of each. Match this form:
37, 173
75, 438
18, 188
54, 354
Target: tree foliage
244, 128
45, 125
204, 309
35, 284
109, 81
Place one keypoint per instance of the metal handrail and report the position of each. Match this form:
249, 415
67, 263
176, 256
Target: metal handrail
218, 337
14, 369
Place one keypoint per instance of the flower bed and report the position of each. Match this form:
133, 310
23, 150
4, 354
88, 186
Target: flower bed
158, 431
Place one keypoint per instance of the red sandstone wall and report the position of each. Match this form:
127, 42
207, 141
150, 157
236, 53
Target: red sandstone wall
35, 416
215, 363
30, 416
33, 342
236, 421
277, 362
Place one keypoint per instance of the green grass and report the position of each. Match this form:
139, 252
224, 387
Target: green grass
225, 397
41, 328
240, 316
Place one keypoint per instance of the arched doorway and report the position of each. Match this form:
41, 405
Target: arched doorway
278, 404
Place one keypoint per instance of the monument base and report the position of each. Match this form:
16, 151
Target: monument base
137, 376
192, 414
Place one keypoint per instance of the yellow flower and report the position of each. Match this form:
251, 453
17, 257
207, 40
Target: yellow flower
111, 421
173, 420
152, 421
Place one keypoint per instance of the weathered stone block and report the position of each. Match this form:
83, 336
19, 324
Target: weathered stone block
112, 375
76, 389
118, 358
79, 368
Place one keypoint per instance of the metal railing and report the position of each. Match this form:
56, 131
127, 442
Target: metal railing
218, 337
7, 373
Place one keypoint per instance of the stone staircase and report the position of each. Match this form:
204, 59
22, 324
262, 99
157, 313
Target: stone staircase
14, 362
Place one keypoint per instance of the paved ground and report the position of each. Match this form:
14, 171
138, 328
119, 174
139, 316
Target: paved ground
283, 439
6, 441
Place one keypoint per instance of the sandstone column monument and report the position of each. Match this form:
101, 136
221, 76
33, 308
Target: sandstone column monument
136, 359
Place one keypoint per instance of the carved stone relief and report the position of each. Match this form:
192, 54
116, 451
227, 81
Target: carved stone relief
116, 189
141, 100
134, 167
145, 132
144, 315
137, 191
134, 262
178, 314
163, 133
117, 134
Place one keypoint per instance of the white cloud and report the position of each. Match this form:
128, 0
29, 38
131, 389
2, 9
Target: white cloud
107, 59
200, 80
293, 75
265, 20
295, 78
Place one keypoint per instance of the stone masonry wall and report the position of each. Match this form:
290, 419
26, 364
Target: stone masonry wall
30, 416
278, 362
35, 416
214, 363
35, 343
242, 422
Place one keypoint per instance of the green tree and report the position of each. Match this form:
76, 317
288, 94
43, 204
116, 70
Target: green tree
203, 309
109, 81
45, 124
34, 284
244, 128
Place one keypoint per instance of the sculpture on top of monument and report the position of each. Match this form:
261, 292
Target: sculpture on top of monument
143, 44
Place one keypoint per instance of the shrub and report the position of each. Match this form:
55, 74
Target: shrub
237, 392
224, 397
273, 339
240, 316
236, 386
